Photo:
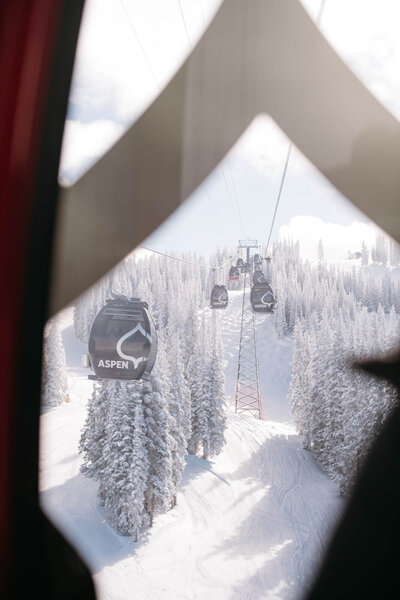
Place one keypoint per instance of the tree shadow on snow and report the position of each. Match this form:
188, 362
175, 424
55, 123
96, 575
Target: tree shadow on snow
196, 466
284, 516
74, 508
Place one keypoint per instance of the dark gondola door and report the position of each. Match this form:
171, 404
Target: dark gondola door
219, 297
123, 340
259, 277
234, 274
262, 298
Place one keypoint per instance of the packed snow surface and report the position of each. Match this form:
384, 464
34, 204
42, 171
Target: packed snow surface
252, 523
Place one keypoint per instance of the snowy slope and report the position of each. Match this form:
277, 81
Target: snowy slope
250, 524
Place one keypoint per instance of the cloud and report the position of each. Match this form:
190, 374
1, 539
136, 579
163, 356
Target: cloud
83, 144
129, 50
365, 34
262, 147
337, 239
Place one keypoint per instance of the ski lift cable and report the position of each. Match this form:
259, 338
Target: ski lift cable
236, 197
159, 87
234, 206
214, 204
320, 12
184, 23
140, 44
202, 13
196, 264
279, 194
232, 201
318, 22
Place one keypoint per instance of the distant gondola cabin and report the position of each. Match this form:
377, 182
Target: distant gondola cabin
234, 273
219, 297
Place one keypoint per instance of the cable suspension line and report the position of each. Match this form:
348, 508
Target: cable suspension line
279, 194
234, 206
140, 45
231, 199
189, 262
318, 22
236, 197
320, 12
184, 23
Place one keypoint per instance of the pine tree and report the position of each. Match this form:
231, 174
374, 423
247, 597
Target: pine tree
208, 411
79, 317
298, 387
381, 250
320, 251
341, 317
179, 408
93, 435
54, 370
364, 254
195, 372
117, 456
214, 409
134, 517
159, 444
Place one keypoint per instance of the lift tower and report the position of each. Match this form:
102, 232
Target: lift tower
248, 244
247, 393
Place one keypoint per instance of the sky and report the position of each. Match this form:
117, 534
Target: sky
127, 52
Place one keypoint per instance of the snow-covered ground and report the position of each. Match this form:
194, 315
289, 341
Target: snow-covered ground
250, 524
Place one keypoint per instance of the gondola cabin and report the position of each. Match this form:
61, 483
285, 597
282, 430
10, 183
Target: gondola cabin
123, 340
262, 297
234, 273
240, 263
219, 297
259, 277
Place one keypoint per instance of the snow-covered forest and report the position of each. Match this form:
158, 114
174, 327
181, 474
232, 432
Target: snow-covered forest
170, 453
338, 314
137, 434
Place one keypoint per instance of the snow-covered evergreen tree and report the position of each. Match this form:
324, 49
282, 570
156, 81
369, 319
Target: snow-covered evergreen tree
208, 414
364, 254
93, 435
136, 435
54, 371
134, 493
160, 492
195, 372
320, 251
117, 454
213, 409
341, 316
380, 250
